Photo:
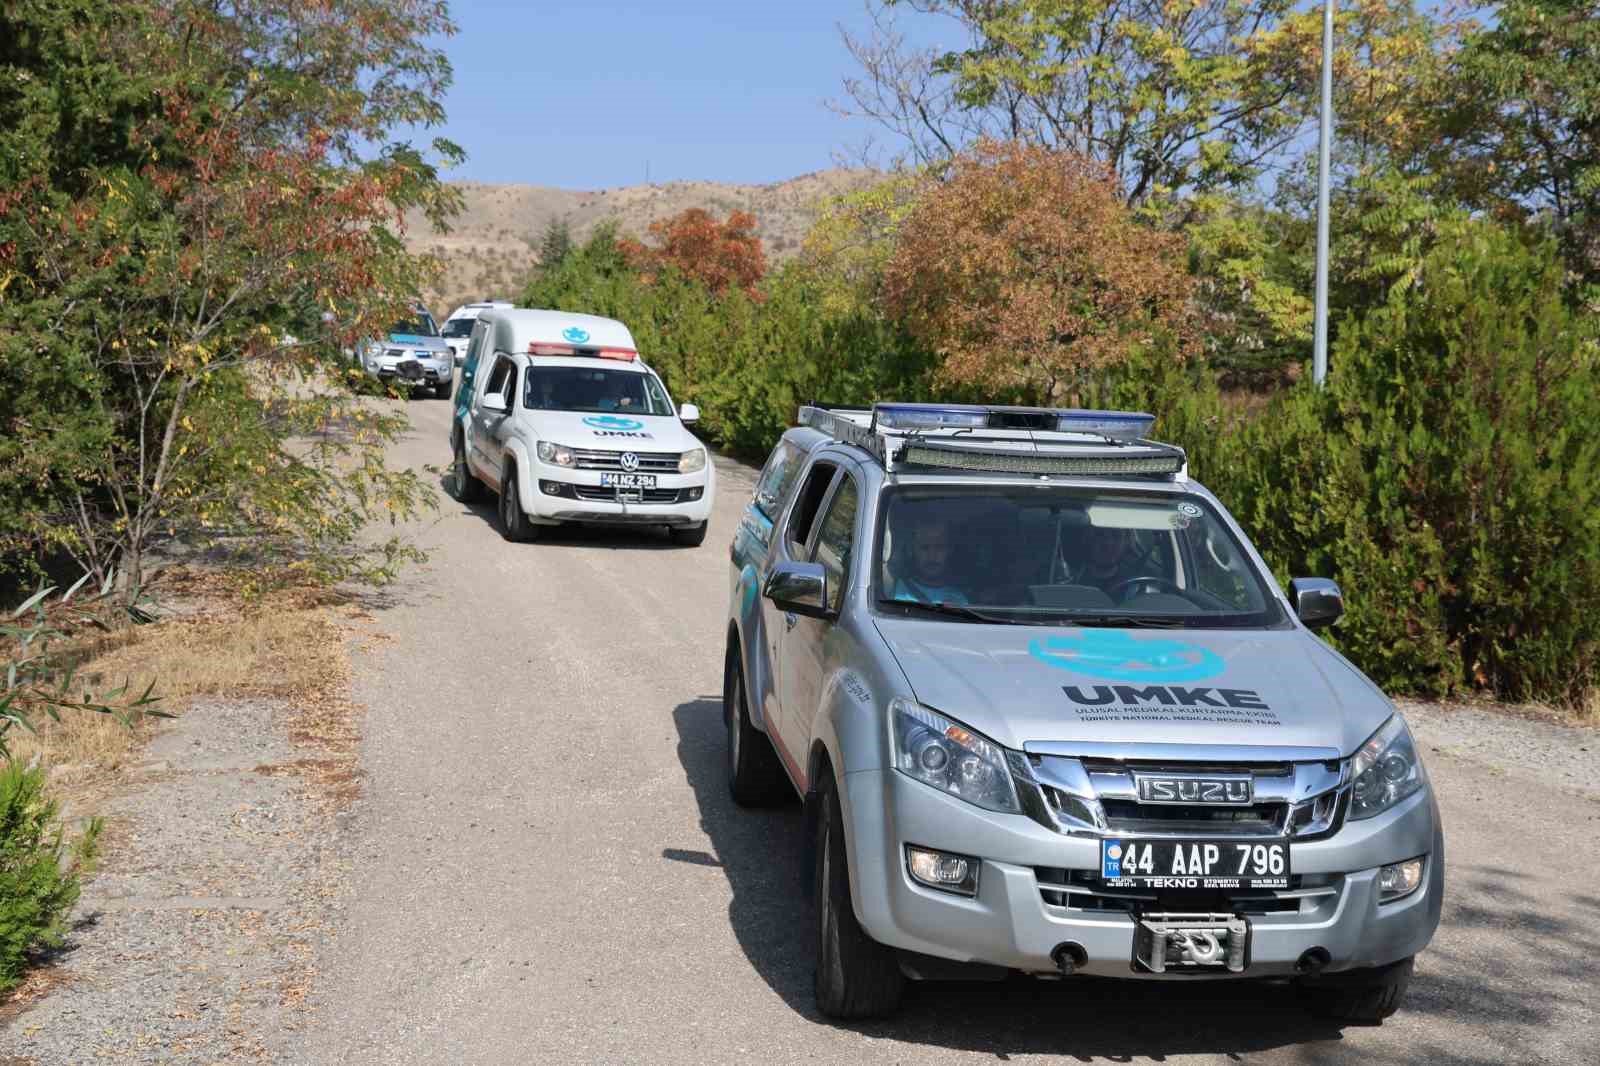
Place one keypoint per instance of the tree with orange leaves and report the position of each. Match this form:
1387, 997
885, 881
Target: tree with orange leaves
720, 255
1025, 271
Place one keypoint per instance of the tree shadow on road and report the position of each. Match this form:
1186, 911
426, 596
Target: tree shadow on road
1083, 1018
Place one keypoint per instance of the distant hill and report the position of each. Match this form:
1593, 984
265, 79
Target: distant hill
490, 247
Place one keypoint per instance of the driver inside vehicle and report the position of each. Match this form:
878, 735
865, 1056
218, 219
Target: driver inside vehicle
929, 579
1101, 557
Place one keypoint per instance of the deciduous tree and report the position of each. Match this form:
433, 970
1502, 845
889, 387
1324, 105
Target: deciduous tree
1025, 271
720, 255
195, 228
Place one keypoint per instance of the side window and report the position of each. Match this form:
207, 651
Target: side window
470, 363
837, 537
781, 470
498, 377
804, 513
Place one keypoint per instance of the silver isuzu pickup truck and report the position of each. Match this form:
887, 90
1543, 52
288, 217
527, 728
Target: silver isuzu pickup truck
1049, 713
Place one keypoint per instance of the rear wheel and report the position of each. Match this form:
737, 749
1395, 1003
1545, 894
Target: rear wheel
463, 486
754, 775
857, 977
514, 522
689, 536
1360, 997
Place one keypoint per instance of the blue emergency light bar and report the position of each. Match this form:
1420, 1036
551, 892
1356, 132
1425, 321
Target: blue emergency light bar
1117, 425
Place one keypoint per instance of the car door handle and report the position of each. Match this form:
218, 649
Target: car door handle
789, 619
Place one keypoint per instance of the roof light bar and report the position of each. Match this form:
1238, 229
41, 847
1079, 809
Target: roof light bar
626, 355
1165, 462
1118, 425
930, 416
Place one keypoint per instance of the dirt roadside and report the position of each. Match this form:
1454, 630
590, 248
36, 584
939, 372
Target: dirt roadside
196, 940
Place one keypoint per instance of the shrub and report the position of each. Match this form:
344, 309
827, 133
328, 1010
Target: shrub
1445, 477
39, 871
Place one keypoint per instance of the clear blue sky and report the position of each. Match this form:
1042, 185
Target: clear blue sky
583, 94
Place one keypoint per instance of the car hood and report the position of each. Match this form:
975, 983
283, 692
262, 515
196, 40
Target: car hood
1026, 685
613, 431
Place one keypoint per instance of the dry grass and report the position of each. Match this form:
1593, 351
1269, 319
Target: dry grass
290, 646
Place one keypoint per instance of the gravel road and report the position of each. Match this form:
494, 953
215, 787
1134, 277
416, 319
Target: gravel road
545, 866
549, 868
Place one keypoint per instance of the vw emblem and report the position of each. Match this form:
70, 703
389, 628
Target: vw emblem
630, 462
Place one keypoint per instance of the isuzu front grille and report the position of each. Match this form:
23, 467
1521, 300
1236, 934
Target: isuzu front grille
1135, 797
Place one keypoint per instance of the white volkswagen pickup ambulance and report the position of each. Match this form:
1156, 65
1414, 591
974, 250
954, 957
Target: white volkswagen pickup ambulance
557, 413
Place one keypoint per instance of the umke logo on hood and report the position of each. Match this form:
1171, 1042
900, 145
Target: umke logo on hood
1156, 664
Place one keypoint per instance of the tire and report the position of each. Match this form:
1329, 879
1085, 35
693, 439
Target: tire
463, 486
514, 524
857, 977
755, 777
1359, 997
689, 536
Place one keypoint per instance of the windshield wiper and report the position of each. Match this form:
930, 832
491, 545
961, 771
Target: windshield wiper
952, 610
1127, 621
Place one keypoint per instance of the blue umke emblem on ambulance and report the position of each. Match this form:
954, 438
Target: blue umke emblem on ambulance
1117, 655
575, 335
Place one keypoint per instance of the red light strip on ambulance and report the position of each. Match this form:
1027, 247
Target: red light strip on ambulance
626, 355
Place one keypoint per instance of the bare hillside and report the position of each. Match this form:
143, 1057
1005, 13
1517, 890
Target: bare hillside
491, 245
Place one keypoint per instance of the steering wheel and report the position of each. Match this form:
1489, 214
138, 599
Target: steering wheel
1161, 583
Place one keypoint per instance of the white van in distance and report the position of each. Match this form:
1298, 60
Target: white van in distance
557, 413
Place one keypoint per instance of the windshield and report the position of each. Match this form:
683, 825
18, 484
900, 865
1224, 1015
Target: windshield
421, 326
1067, 557
455, 328
581, 388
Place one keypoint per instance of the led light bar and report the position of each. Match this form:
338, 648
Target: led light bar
626, 355
930, 416
1118, 425
1165, 461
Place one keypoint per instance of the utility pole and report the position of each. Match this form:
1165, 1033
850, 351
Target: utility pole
1319, 351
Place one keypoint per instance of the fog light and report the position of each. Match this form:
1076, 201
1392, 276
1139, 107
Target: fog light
692, 494
937, 869
553, 488
1399, 880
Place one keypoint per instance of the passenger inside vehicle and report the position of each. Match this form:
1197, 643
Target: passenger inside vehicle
927, 576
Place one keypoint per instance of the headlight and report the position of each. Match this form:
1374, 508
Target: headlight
691, 461
950, 757
1386, 770
559, 454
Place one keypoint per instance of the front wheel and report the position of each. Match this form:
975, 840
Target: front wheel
857, 977
754, 776
463, 486
514, 524
689, 536
1360, 997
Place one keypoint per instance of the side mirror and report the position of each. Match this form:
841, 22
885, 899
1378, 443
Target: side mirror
800, 588
494, 401
688, 413
1317, 601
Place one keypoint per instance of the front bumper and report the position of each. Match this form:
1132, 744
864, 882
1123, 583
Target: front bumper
582, 499
430, 371
1012, 923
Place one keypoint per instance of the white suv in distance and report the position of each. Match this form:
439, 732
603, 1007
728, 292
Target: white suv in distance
560, 417
457, 329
